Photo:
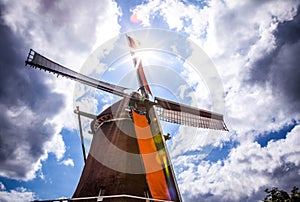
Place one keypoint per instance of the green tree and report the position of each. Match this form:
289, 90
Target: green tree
276, 195
295, 195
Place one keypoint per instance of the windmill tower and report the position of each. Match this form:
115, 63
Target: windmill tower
128, 159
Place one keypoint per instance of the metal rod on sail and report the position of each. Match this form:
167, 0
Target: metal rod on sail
81, 135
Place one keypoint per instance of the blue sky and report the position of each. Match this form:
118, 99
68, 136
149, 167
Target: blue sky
253, 46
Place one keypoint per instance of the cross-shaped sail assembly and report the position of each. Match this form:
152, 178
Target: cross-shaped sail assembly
138, 115
167, 110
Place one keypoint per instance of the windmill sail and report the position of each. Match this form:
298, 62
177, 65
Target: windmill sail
36, 60
182, 114
137, 62
166, 110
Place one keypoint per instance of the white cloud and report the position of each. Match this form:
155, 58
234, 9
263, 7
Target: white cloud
56, 146
248, 169
66, 34
19, 195
176, 14
190, 139
24, 119
237, 35
2, 187
242, 37
68, 162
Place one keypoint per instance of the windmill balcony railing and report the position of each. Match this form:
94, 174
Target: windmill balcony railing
102, 198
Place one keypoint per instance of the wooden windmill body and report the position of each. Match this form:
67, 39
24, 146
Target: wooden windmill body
128, 159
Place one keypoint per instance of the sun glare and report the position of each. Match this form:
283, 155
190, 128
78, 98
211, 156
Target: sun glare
147, 56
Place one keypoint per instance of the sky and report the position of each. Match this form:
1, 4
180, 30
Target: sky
253, 47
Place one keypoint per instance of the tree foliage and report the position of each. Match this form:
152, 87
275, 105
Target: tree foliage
276, 195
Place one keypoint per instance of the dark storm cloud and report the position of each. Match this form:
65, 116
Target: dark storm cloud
287, 174
283, 177
62, 30
25, 104
281, 67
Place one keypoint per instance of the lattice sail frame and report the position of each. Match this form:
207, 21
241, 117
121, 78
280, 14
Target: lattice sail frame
182, 114
36, 60
187, 119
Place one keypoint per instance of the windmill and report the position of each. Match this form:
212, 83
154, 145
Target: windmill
128, 159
